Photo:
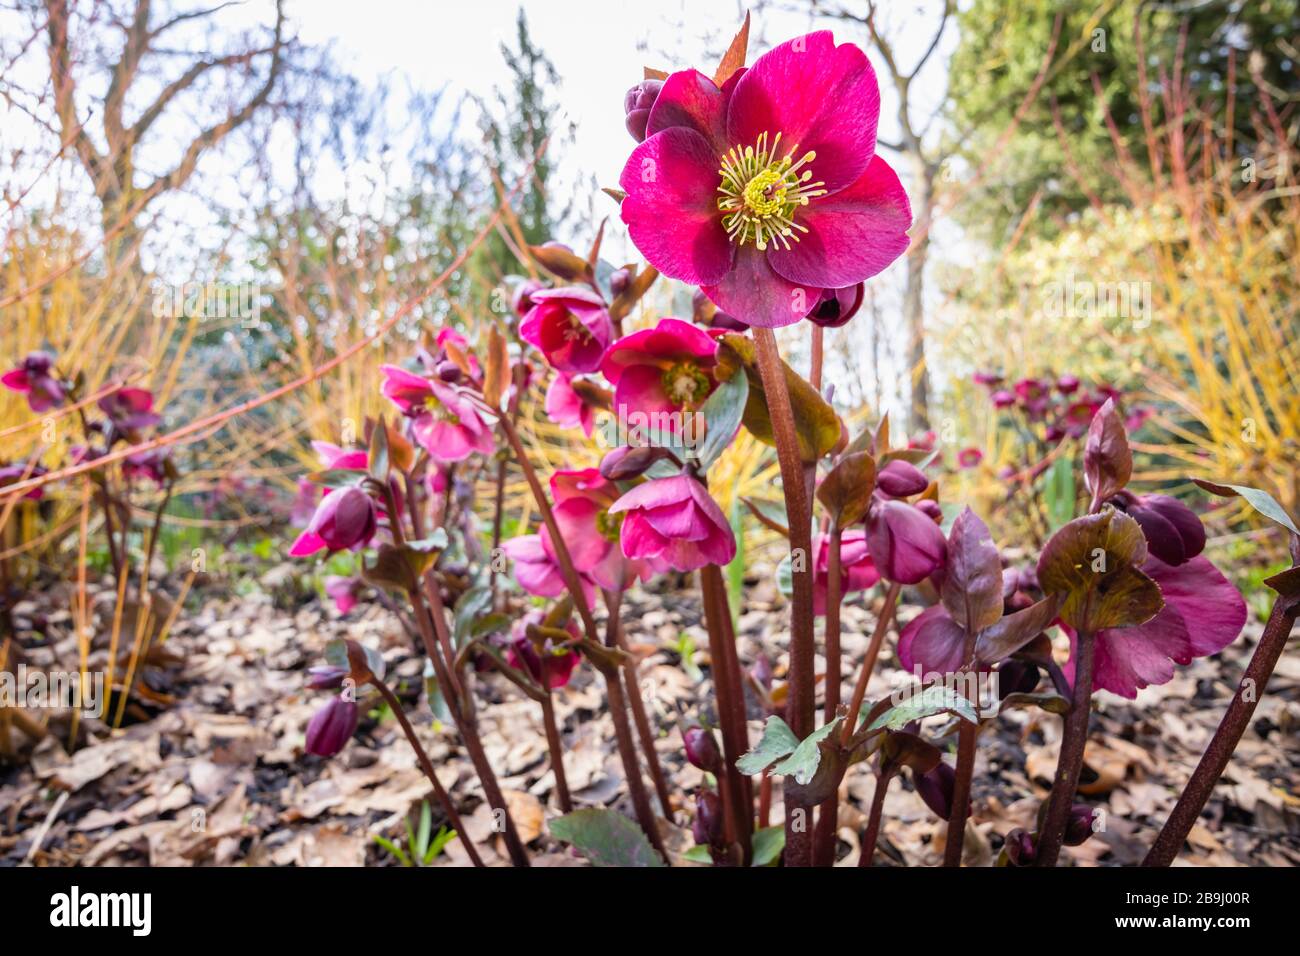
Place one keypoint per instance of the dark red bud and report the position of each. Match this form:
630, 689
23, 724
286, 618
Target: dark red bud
837, 306
332, 727
702, 750
449, 371
707, 827
619, 280
1078, 827
930, 509
936, 788
1017, 677
326, 677
1020, 849
626, 463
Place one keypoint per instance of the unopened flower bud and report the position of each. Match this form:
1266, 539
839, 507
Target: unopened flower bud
1078, 827
637, 105
702, 750
449, 371
707, 827
619, 280
901, 479
1019, 848
936, 788
930, 509
628, 462
332, 727
837, 306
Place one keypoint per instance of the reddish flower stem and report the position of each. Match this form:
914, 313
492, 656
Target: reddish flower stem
800, 710
872, 832
1069, 764
1236, 719
731, 705
556, 748
426, 765
643, 728
828, 816
815, 363
869, 662
967, 734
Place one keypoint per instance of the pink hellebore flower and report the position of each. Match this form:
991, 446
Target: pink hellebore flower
666, 369
1203, 614
969, 457
673, 521
345, 518
345, 592
147, 464
857, 572
335, 458
443, 420
537, 570
768, 190
130, 408
33, 379
583, 500
567, 408
9, 474
570, 326
905, 543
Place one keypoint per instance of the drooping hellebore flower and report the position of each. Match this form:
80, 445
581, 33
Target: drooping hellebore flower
1203, 614
550, 665
567, 407
674, 521
857, 572
332, 727
1174, 533
768, 190
905, 544
346, 518
33, 379
345, 592
570, 326
130, 409
969, 457
443, 420
583, 502
538, 571
152, 465
661, 371
837, 306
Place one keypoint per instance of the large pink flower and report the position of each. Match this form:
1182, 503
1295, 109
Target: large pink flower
570, 326
443, 420
857, 572
582, 510
768, 190
1203, 614
537, 570
673, 521
662, 370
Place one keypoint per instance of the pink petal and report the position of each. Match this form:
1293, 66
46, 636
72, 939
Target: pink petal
756, 295
932, 641
1213, 608
852, 234
16, 380
690, 99
563, 405
819, 97
576, 518
671, 210
672, 340
641, 390
309, 542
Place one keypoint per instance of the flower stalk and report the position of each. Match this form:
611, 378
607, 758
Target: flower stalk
1074, 737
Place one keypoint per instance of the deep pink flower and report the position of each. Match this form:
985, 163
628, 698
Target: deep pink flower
1067, 384
1078, 416
550, 665
857, 572
969, 457
33, 379
570, 326
521, 300
987, 379
345, 518
537, 570
147, 464
591, 533
925, 441
443, 420
332, 727
130, 408
674, 521
566, 407
345, 592
906, 545
1203, 614
662, 370
932, 641
768, 190
1003, 399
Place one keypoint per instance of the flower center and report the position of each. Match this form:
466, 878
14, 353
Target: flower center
760, 190
576, 331
609, 525
685, 383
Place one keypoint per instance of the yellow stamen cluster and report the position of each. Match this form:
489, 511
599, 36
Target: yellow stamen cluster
761, 189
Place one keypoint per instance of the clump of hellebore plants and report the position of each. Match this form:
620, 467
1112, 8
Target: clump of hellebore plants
761, 188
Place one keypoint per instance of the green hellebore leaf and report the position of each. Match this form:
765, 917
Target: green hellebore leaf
1257, 498
768, 844
778, 741
1058, 492
722, 412
935, 699
606, 838
817, 427
802, 763
399, 568
1051, 702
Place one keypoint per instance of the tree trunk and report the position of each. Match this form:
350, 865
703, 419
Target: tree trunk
914, 296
